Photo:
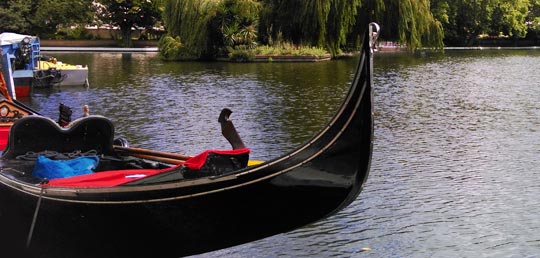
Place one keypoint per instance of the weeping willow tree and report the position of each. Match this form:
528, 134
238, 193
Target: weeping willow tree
342, 17
201, 26
186, 22
408, 21
334, 23
321, 23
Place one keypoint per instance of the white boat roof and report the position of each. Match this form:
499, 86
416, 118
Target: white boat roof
8, 38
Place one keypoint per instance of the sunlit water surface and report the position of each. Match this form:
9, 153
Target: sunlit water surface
456, 147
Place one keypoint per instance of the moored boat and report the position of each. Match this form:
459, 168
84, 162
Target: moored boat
159, 209
49, 72
25, 67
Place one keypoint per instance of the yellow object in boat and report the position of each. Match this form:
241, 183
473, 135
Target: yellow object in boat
254, 162
44, 65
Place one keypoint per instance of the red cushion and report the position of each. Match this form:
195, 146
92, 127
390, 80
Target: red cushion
104, 179
197, 162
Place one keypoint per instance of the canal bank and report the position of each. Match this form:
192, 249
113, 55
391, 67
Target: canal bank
100, 49
151, 46
98, 46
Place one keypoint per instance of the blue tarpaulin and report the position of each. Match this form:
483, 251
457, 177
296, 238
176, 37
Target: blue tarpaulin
51, 169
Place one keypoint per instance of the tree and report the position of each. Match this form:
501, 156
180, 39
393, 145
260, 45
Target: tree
13, 15
332, 23
235, 23
533, 17
408, 21
129, 14
43, 17
508, 18
187, 23
465, 20
51, 15
34, 17
321, 23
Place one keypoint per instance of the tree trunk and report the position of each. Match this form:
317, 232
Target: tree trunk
126, 36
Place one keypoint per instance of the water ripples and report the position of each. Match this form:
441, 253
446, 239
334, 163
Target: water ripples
456, 148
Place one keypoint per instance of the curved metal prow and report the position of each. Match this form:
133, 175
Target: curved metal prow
374, 31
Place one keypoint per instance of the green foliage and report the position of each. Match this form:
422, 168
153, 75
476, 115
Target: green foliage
508, 18
408, 21
321, 23
77, 32
341, 20
128, 14
207, 27
12, 16
51, 15
244, 54
44, 17
235, 22
465, 20
241, 54
334, 23
289, 49
533, 17
172, 49
189, 20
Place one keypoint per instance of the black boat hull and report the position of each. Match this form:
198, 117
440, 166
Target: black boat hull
166, 229
194, 216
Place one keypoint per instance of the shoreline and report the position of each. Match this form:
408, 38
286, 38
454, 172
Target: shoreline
101, 49
150, 47
97, 46
258, 58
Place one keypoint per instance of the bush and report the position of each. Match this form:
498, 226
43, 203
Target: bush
241, 55
169, 48
172, 49
288, 49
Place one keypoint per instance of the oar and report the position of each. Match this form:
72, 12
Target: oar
139, 151
165, 157
159, 159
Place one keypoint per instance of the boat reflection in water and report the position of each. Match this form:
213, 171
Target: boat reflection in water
169, 209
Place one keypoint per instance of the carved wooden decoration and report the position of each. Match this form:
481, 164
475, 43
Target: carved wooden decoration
10, 113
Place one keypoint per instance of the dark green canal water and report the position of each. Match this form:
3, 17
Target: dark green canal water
456, 150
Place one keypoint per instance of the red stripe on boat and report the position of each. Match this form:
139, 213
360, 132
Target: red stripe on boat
4, 135
22, 91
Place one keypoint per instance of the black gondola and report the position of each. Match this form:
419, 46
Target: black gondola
168, 216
